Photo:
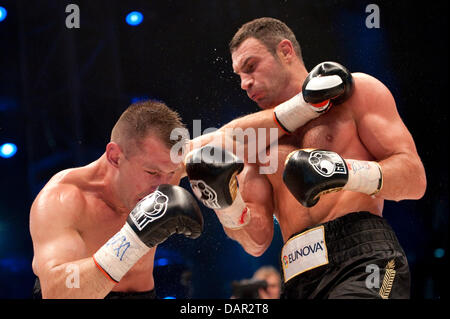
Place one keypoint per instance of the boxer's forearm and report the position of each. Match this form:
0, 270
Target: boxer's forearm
255, 237
403, 177
79, 279
259, 120
245, 136
261, 127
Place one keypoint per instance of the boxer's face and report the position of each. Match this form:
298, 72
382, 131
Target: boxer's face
263, 76
144, 170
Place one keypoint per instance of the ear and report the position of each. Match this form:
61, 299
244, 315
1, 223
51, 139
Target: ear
113, 153
285, 50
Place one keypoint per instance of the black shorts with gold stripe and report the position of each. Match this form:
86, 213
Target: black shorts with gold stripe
355, 256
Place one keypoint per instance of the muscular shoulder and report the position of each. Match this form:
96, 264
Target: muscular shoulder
370, 94
365, 82
59, 202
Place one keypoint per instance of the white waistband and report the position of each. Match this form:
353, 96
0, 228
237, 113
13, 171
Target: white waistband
304, 252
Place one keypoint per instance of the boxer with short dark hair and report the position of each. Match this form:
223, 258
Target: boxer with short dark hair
328, 198
105, 220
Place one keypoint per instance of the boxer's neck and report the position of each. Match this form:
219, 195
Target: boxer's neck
298, 75
101, 179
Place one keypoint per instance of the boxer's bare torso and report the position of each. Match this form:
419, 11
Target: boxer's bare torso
366, 127
335, 131
87, 220
80, 209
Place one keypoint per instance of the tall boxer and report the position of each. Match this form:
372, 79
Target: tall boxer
332, 226
105, 220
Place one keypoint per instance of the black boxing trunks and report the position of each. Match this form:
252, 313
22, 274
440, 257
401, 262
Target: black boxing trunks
355, 256
151, 294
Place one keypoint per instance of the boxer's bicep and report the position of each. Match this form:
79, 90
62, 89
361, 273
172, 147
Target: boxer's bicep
257, 194
385, 136
56, 249
380, 127
261, 198
55, 238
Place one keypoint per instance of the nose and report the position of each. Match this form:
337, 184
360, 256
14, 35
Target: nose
163, 178
246, 82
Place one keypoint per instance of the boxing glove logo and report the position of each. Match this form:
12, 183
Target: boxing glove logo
150, 208
205, 194
327, 163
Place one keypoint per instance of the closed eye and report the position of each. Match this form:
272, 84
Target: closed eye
249, 64
249, 68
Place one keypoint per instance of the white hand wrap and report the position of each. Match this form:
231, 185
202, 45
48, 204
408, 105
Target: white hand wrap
295, 113
364, 177
235, 216
120, 253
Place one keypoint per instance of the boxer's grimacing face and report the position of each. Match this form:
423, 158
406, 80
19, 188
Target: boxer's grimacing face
144, 170
262, 75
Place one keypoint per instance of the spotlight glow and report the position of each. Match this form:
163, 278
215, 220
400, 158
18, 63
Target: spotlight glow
134, 18
439, 253
8, 150
3, 14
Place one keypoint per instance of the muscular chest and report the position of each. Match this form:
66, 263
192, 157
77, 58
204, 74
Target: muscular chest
99, 224
332, 131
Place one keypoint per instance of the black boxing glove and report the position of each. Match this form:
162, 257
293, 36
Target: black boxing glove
328, 83
212, 173
311, 173
168, 210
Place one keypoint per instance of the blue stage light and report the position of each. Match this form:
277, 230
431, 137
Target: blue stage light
135, 99
3, 14
161, 262
169, 297
8, 150
134, 18
439, 253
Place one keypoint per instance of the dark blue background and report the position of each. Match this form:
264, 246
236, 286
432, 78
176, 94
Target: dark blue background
61, 91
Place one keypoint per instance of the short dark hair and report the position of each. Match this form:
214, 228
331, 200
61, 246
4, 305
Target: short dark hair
269, 31
142, 119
